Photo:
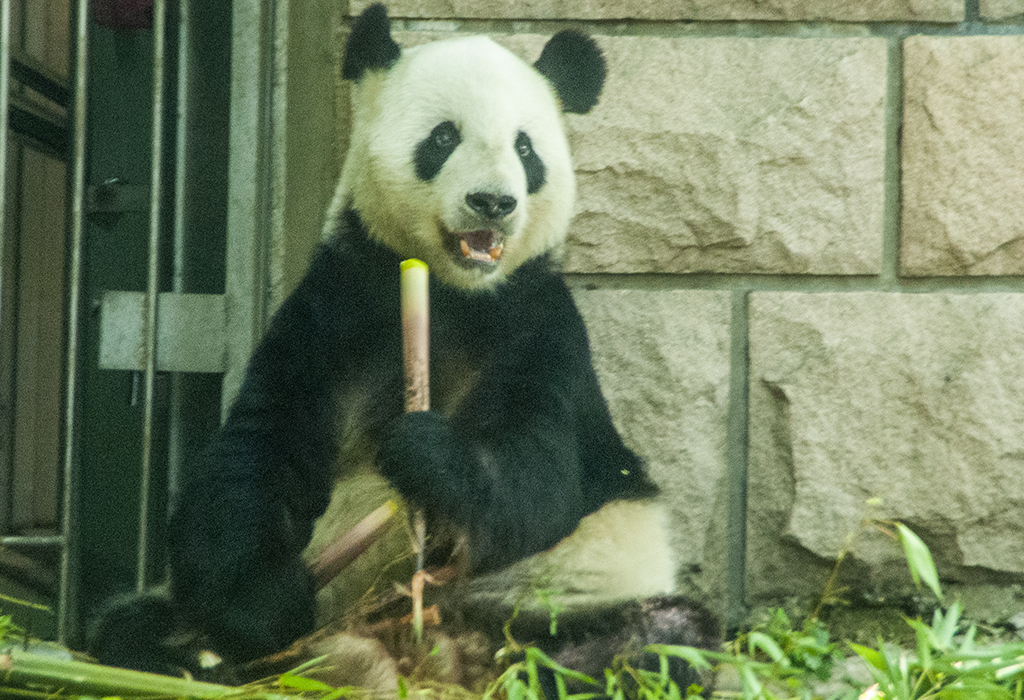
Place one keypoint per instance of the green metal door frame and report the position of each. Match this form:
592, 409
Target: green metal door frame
280, 167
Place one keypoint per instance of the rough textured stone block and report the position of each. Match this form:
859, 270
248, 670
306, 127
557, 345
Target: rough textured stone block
1001, 9
663, 361
732, 155
790, 10
963, 145
916, 399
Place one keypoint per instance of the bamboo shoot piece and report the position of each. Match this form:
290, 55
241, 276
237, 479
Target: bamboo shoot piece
416, 334
416, 360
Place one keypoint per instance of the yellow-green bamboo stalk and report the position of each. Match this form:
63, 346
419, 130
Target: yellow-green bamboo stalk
416, 354
37, 673
416, 334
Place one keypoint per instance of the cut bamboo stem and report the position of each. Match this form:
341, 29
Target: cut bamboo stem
344, 550
416, 361
416, 334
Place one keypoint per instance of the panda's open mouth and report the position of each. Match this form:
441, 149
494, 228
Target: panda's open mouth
482, 247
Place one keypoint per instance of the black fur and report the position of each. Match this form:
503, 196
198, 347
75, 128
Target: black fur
592, 644
433, 151
370, 45
138, 633
573, 63
527, 453
533, 166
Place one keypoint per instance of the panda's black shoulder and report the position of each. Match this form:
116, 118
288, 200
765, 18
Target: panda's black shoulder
540, 295
349, 289
350, 248
349, 270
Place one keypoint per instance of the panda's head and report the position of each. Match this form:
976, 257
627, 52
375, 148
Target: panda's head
457, 153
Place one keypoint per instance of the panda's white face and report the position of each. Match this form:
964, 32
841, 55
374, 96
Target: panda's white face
458, 157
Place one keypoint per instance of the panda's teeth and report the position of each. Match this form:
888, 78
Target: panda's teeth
491, 255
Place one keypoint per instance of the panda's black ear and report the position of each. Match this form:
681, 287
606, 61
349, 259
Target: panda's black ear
574, 64
370, 44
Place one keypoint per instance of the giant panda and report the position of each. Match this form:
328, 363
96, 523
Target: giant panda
457, 157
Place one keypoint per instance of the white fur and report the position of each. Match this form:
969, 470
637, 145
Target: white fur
490, 95
620, 552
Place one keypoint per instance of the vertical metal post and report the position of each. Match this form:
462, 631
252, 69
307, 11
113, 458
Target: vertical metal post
153, 288
175, 451
67, 603
250, 184
6, 480
5, 88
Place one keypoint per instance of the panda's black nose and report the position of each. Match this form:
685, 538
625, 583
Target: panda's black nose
493, 206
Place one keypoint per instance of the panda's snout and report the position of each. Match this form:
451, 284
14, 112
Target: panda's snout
491, 206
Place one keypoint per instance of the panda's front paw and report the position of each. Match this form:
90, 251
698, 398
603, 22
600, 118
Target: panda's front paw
422, 459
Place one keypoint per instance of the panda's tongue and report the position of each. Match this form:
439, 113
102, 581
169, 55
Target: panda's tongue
480, 246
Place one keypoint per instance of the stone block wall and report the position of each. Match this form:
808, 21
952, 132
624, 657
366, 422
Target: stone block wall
799, 249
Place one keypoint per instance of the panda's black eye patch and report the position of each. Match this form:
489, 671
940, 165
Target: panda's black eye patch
433, 151
532, 164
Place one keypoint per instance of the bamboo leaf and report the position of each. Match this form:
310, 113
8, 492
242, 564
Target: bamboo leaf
919, 559
536, 656
339, 693
875, 658
760, 640
752, 687
290, 680
945, 626
697, 658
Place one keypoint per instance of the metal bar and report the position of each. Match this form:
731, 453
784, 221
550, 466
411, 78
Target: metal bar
32, 75
153, 288
190, 332
46, 135
32, 541
175, 423
182, 139
250, 184
67, 602
5, 89
6, 481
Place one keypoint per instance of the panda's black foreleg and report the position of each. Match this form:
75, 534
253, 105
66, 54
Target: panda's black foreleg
508, 493
529, 449
247, 510
140, 633
237, 574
